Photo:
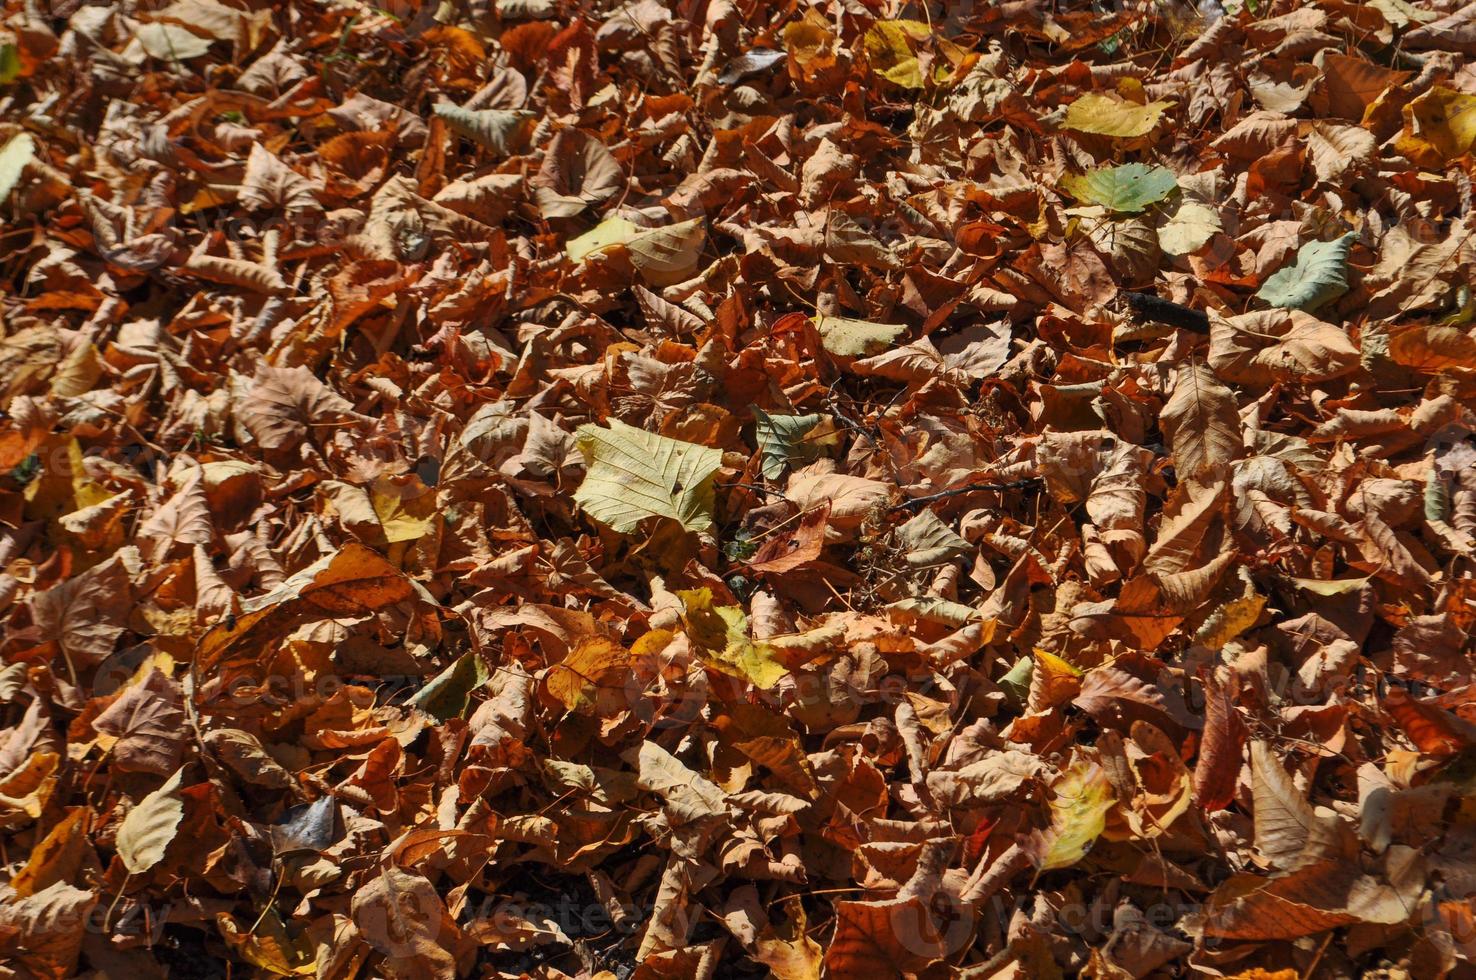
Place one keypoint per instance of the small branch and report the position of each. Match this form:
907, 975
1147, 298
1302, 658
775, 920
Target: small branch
970, 488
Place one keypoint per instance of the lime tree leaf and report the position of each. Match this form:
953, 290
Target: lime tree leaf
781, 440
889, 49
635, 474
1104, 115
20, 151
1082, 797
149, 827
1128, 188
856, 338
1317, 276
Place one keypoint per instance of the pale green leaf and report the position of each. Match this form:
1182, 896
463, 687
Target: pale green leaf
449, 693
503, 131
635, 474
20, 151
1016, 680
856, 338
149, 827
1129, 188
1318, 276
1188, 229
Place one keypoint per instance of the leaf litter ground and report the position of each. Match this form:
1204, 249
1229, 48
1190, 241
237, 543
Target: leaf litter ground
732, 489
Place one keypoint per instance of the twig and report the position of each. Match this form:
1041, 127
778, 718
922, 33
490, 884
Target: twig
969, 488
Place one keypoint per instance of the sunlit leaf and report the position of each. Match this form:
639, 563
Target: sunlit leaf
1107, 116
1317, 276
634, 474
1128, 188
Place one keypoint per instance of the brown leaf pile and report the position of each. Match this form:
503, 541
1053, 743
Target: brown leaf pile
723, 489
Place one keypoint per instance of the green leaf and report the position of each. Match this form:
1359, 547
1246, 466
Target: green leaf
1104, 115
1318, 276
13, 159
856, 338
10, 63
781, 440
1016, 681
449, 693
635, 474
1129, 188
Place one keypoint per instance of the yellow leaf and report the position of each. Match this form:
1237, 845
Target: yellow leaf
1083, 795
1054, 681
269, 947
1230, 620
889, 46
720, 636
404, 506
608, 234
1104, 115
1438, 126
